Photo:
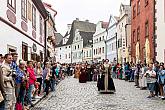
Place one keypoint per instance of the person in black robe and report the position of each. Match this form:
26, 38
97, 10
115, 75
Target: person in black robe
105, 81
83, 74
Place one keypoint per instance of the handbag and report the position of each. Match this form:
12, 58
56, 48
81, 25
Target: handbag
18, 106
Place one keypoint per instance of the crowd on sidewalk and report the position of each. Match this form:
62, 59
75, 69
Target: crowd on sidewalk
25, 81
146, 76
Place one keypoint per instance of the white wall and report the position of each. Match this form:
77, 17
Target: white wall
4, 8
160, 24
100, 33
63, 51
11, 37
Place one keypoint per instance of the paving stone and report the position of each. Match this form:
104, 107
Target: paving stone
71, 95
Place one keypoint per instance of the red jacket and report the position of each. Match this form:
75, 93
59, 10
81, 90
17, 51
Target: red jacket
32, 77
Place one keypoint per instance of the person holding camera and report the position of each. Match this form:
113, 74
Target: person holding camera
151, 79
8, 81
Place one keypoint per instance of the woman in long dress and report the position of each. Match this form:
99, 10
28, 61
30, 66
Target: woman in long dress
105, 82
77, 71
83, 74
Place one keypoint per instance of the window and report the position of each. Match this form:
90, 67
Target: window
34, 17
41, 26
102, 49
66, 47
29, 11
60, 48
25, 51
147, 29
138, 33
94, 52
90, 54
100, 38
112, 46
120, 43
103, 37
75, 47
146, 2
133, 36
84, 54
24, 9
69, 46
65, 56
138, 7
69, 55
134, 11
60, 56
78, 46
87, 53
12, 5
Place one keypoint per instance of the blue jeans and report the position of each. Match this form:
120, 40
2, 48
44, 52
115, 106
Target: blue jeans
53, 82
29, 92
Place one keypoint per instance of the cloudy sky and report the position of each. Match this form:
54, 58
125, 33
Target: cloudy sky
92, 10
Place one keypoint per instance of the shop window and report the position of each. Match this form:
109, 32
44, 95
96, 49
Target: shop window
41, 55
25, 51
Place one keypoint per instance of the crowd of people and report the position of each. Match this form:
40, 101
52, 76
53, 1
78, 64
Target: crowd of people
21, 82
24, 81
146, 76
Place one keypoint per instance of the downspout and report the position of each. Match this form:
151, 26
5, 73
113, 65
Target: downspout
116, 48
153, 38
45, 41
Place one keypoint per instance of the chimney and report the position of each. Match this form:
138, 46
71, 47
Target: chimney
87, 20
77, 19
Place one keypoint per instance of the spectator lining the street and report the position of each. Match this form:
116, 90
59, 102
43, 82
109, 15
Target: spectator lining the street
151, 79
9, 88
38, 71
161, 78
32, 80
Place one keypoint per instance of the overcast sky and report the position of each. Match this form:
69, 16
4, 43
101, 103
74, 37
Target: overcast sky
93, 10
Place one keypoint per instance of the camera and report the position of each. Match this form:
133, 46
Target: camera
13, 73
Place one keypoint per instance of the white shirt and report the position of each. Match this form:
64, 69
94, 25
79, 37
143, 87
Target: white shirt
149, 74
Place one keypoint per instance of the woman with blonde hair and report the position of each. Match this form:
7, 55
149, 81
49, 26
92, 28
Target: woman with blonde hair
38, 71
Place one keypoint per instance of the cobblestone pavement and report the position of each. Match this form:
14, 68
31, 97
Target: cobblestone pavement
71, 95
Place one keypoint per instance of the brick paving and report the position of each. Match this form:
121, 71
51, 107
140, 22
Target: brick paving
71, 95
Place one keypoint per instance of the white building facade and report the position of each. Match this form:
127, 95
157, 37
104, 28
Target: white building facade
77, 48
99, 41
22, 28
159, 31
123, 37
111, 40
63, 50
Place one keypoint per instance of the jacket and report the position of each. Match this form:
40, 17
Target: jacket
32, 77
7, 79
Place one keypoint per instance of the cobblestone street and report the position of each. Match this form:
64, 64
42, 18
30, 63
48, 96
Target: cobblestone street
71, 95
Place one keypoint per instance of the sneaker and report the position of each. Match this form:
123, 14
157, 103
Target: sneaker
149, 96
37, 97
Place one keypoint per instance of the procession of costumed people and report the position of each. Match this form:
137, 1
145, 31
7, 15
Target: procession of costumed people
101, 74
